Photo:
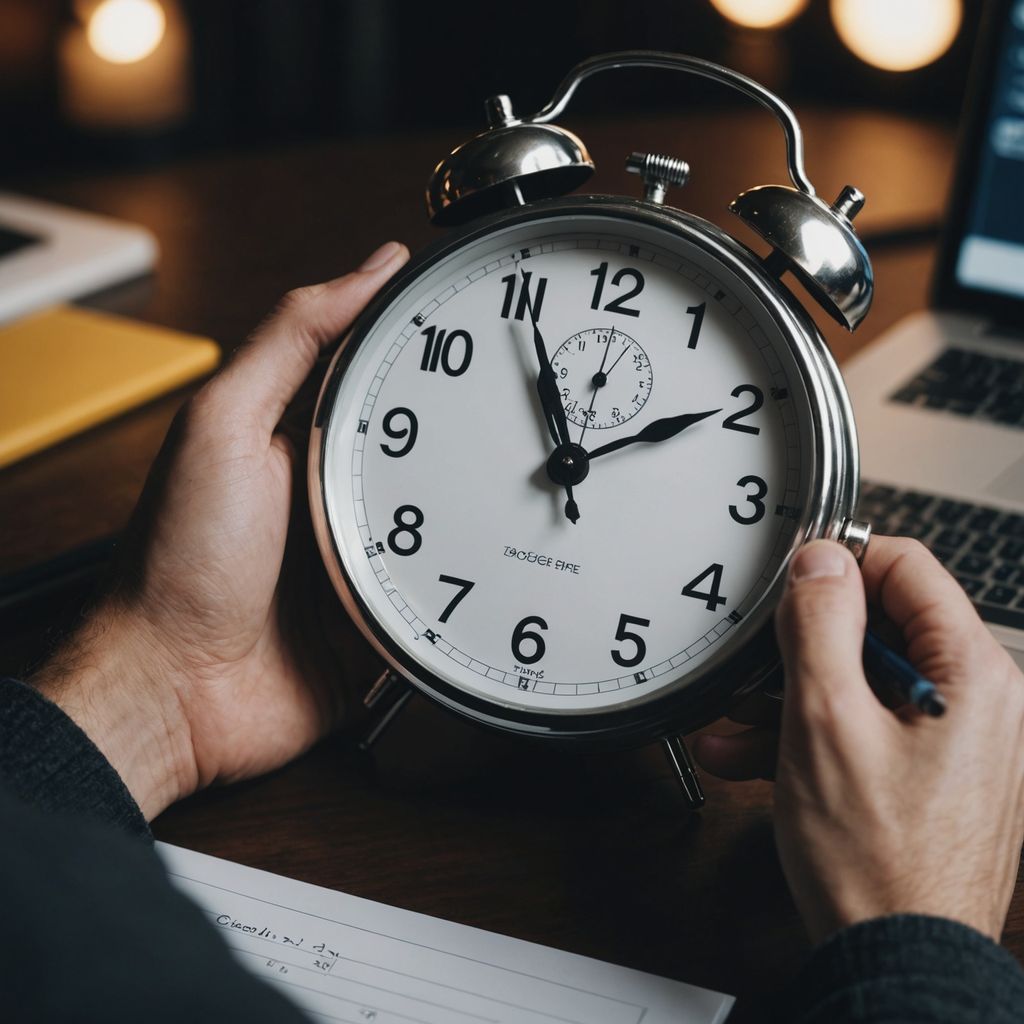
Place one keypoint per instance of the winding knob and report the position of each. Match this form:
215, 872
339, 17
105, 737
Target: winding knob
658, 172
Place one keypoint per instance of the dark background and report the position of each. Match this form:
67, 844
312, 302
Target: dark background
268, 73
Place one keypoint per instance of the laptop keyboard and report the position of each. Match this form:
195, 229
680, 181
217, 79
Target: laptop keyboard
970, 384
982, 547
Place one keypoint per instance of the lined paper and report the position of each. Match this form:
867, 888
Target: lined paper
347, 959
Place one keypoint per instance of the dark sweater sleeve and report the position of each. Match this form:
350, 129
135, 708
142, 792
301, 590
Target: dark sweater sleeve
909, 969
92, 929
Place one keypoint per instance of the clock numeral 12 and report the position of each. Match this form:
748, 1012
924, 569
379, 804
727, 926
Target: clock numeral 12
711, 595
438, 349
622, 633
530, 298
617, 305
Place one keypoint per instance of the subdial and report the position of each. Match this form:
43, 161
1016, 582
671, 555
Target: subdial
604, 377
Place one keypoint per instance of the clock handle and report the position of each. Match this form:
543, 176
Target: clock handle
694, 66
685, 770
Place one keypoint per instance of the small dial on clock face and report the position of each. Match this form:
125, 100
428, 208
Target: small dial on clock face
604, 377
446, 469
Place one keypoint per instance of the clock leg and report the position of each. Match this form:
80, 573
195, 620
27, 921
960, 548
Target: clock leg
685, 770
385, 700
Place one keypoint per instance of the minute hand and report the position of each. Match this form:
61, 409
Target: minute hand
659, 430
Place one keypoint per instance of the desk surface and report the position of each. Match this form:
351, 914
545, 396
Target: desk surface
594, 854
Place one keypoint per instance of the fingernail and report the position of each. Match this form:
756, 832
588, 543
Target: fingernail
380, 256
817, 559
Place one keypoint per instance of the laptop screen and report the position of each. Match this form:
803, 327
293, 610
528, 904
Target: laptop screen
982, 263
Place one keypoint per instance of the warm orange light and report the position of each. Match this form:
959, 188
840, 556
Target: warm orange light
897, 35
760, 13
126, 31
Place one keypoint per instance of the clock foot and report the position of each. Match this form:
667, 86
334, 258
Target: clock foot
685, 770
388, 695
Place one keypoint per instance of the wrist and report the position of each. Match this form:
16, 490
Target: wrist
116, 683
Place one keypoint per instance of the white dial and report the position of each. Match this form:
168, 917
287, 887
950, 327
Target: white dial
442, 484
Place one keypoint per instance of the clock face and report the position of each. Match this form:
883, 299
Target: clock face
451, 529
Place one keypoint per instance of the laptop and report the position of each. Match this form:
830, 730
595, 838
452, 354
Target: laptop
939, 398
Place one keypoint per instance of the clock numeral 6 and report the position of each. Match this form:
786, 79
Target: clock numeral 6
755, 499
711, 595
410, 431
617, 305
521, 633
438, 349
412, 529
530, 298
622, 633
733, 422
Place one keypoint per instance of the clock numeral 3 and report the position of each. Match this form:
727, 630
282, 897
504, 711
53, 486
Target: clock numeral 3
755, 499
521, 633
410, 431
465, 587
711, 595
438, 349
622, 633
733, 422
530, 297
617, 305
697, 312
412, 529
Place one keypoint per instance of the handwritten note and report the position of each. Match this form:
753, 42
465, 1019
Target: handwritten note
342, 958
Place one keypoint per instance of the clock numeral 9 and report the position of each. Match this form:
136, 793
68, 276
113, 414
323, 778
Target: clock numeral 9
412, 529
530, 299
438, 349
755, 499
711, 595
410, 431
521, 633
624, 634
617, 305
733, 422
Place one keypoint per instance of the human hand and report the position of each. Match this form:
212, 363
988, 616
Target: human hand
880, 812
210, 659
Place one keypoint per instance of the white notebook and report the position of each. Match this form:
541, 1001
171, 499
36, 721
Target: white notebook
343, 958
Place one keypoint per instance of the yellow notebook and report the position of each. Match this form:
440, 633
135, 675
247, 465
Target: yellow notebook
69, 368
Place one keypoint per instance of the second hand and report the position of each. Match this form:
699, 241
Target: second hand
599, 379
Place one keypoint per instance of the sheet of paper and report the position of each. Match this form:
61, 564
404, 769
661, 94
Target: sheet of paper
347, 959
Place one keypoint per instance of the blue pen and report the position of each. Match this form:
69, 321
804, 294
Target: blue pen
886, 666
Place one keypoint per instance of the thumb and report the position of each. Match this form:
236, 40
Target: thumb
820, 625
268, 370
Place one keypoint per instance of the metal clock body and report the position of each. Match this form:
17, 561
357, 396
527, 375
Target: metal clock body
560, 463
383, 500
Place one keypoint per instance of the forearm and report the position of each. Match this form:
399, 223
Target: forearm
119, 690
908, 967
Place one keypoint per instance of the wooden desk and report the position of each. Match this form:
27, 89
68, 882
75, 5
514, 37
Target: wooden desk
591, 854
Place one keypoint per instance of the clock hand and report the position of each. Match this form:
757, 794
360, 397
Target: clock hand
659, 430
599, 380
550, 399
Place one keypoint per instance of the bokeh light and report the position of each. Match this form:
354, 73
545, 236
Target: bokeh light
897, 35
126, 31
759, 13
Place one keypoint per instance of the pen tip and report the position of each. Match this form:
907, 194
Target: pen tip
934, 704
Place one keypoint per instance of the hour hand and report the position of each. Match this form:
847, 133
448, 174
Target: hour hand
659, 430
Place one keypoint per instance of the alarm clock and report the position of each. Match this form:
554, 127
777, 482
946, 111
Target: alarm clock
560, 463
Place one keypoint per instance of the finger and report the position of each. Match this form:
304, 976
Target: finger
940, 627
759, 708
751, 754
820, 625
268, 370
